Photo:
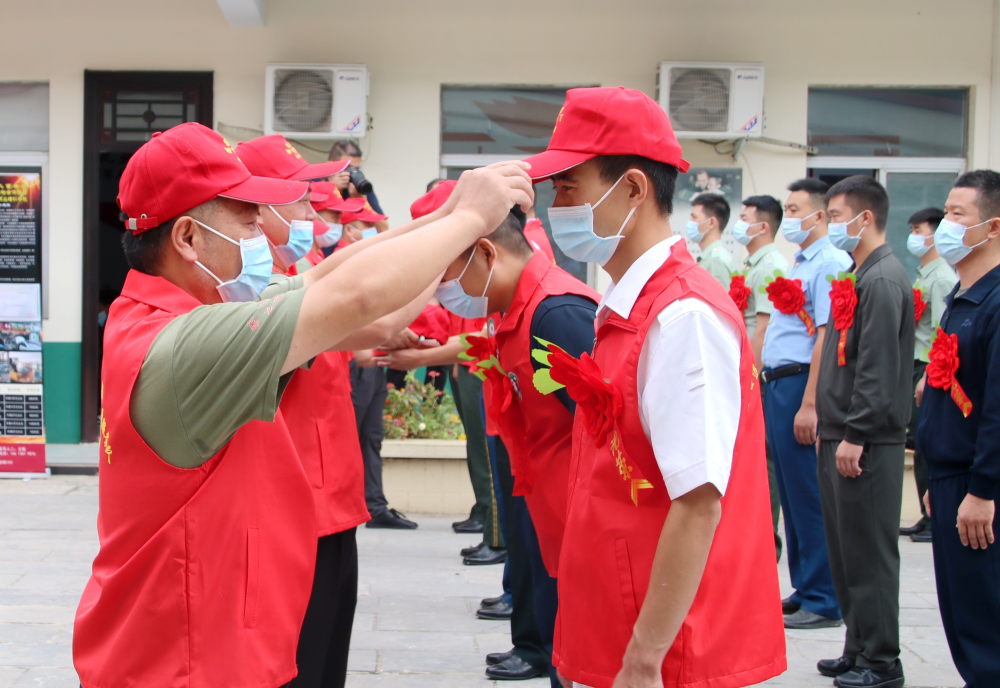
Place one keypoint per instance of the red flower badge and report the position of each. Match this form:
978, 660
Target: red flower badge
843, 301
739, 292
942, 368
505, 411
788, 297
919, 305
599, 400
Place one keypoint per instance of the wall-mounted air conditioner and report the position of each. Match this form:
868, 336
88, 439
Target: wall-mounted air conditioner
712, 100
315, 101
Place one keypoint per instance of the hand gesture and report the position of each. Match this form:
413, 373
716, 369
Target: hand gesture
975, 521
490, 192
849, 459
805, 424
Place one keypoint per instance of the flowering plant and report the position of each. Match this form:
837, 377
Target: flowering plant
419, 411
739, 292
942, 368
919, 305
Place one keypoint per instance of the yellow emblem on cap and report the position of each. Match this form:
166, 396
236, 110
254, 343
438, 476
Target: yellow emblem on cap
290, 149
558, 119
228, 147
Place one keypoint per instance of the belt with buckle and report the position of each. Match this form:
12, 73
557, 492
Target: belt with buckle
772, 374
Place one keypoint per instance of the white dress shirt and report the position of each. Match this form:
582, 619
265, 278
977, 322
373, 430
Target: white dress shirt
688, 380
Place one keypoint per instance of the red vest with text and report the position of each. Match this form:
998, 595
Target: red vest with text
319, 413
534, 232
733, 634
204, 574
540, 452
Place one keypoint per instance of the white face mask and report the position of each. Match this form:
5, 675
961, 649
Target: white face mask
573, 231
300, 239
255, 273
331, 236
453, 296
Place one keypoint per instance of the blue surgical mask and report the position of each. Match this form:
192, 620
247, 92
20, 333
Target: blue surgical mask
331, 236
740, 229
949, 240
791, 229
693, 231
916, 244
256, 271
452, 296
369, 233
300, 240
573, 231
841, 239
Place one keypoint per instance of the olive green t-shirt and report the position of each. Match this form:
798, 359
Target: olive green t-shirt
213, 370
761, 265
935, 280
719, 263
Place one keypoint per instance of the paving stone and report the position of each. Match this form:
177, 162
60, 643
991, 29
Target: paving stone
29, 633
48, 677
408, 662
35, 655
36, 614
10, 675
459, 623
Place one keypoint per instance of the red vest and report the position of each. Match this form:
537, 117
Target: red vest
204, 574
319, 412
320, 415
534, 232
540, 455
733, 635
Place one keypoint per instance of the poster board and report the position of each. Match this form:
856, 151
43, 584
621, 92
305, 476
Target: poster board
727, 181
22, 419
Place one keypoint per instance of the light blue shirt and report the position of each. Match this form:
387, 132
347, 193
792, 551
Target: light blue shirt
787, 340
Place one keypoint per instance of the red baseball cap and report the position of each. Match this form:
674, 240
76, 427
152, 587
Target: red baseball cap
320, 228
326, 196
274, 156
186, 166
366, 214
607, 121
433, 199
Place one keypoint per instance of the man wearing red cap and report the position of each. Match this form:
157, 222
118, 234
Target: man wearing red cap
207, 520
667, 568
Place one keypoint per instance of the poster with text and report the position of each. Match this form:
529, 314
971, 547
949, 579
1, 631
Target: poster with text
22, 418
20, 225
727, 181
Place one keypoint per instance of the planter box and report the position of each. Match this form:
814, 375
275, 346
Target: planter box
427, 476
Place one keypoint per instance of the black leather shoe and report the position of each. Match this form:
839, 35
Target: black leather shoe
500, 612
923, 536
467, 526
918, 527
486, 556
806, 620
834, 667
789, 606
390, 518
495, 658
869, 678
513, 669
469, 551
490, 602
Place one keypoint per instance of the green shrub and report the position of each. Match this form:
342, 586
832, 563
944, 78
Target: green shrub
418, 411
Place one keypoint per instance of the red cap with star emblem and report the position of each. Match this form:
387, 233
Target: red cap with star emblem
366, 214
433, 199
607, 121
274, 156
186, 166
333, 199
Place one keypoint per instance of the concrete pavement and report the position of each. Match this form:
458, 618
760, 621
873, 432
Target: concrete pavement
415, 625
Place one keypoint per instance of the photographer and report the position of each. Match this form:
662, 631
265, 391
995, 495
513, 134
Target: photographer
351, 181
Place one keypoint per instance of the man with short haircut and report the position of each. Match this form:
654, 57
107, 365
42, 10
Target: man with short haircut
959, 430
349, 150
864, 400
935, 280
668, 444
208, 523
791, 354
756, 229
709, 217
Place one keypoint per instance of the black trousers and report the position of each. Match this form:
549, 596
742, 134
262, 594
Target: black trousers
468, 391
968, 587
861, 520
919, 466
326, 630
544, 586
368, 393
524, 632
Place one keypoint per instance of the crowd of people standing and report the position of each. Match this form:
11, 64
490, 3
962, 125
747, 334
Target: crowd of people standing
628, 451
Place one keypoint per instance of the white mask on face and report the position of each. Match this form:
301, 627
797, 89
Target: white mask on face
573, 231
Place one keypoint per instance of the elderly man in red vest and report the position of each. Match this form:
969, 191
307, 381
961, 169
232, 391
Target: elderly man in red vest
208, 523
667, 574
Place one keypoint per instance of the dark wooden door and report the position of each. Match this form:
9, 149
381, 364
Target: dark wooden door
121, 112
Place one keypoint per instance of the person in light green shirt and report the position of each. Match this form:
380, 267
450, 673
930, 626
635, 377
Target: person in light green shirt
763, 215
709, 216
935, 280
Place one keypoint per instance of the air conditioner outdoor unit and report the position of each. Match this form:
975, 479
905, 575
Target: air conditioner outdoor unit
316, 101
712, 100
